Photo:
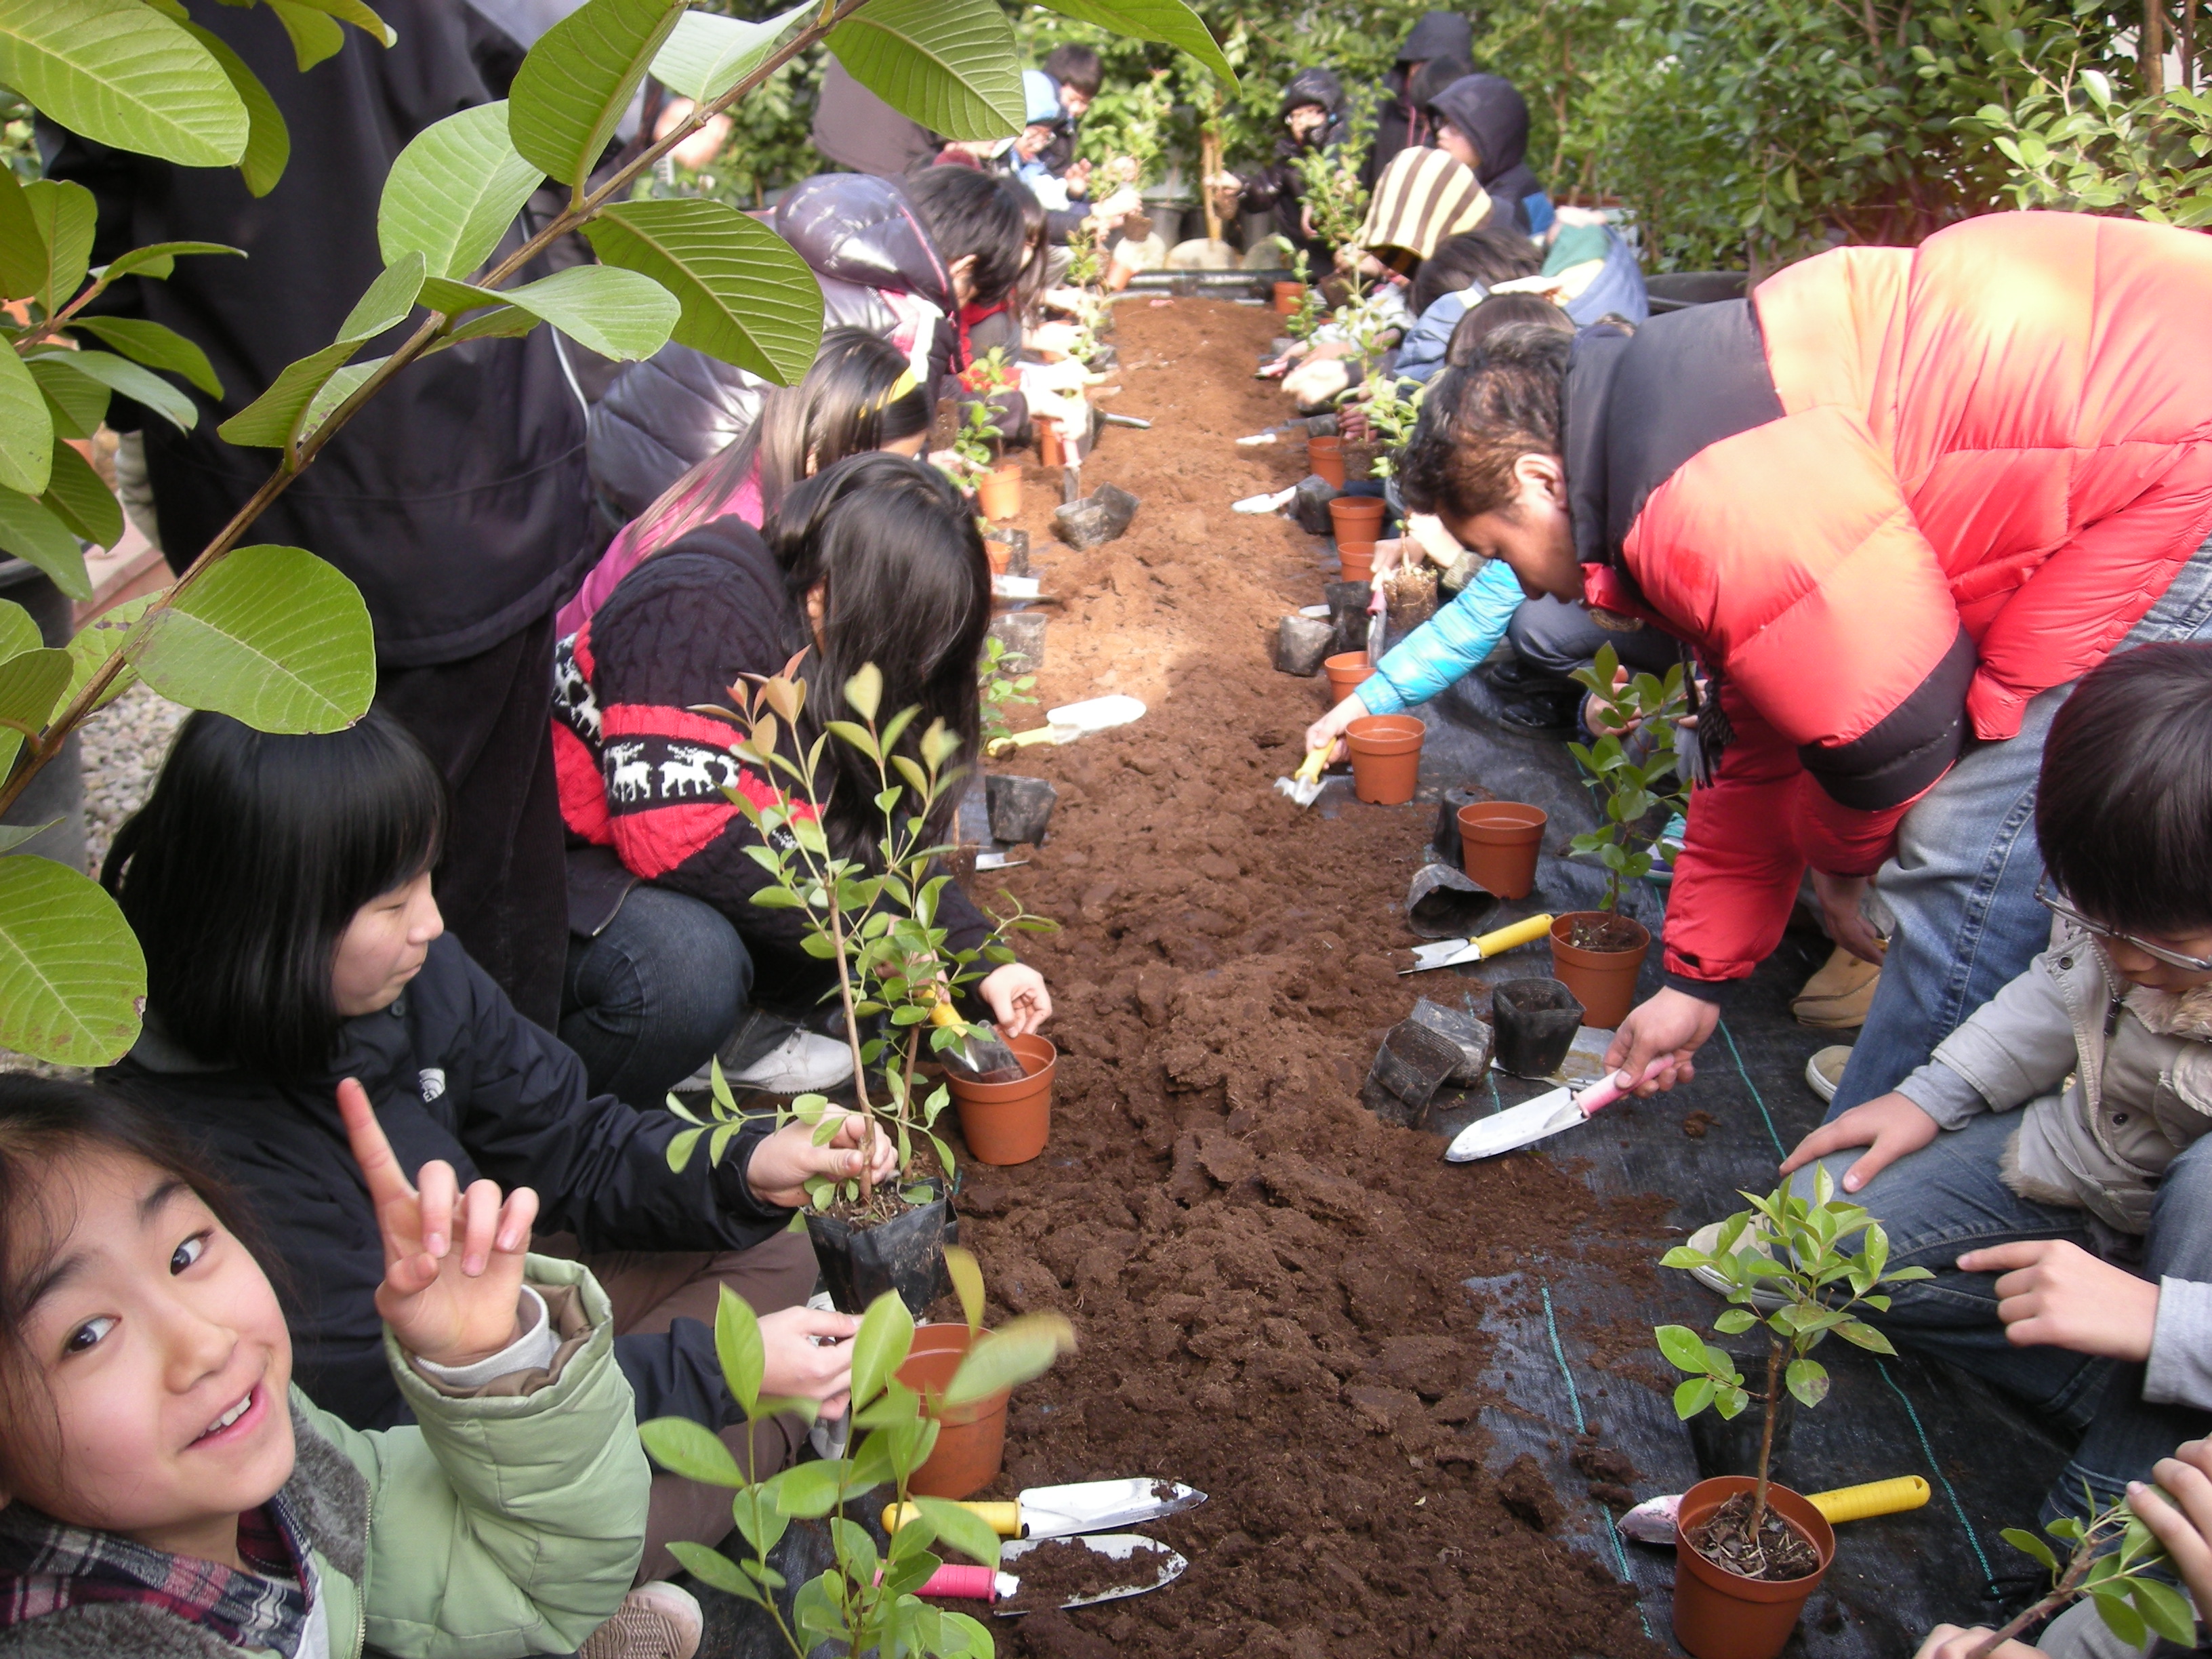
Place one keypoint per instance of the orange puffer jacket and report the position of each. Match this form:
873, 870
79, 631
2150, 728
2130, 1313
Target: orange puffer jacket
1991, 452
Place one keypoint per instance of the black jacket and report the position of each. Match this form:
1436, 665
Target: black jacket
1493, 115
455, 1073
1438, 34
456, 500
1278, 185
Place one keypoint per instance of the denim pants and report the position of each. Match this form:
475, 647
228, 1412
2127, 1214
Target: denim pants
659, 989
1948, 1198
1961, 883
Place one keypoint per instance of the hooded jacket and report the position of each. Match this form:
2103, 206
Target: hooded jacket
1890, 498
1423, 200
1490, 112
455, 1073
1277, 185
1438, 34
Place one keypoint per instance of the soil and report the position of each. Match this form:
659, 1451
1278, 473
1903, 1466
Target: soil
1780, 1553
1607, 932
1266, 1280
1059, 1570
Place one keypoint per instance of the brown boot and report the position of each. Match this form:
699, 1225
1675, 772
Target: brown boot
1836, 998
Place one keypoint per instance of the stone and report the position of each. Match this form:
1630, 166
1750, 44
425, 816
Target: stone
1301, 643
1022, 631
1020, 808
1309, 507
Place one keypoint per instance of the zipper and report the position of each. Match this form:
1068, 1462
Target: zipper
361, 1585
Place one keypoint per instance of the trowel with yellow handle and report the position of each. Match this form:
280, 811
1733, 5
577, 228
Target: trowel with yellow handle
1451, 952
1652, 1522
1303, 785
1072, 720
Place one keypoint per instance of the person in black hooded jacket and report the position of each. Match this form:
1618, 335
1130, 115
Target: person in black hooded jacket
1314, 122
1400, 123
1481, 121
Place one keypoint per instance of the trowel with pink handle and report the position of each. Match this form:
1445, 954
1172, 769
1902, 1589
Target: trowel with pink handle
1151, 1564
1546, 1114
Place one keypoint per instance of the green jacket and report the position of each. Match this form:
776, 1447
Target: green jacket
506, 1523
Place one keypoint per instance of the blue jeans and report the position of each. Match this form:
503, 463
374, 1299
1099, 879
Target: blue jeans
1961, 883
654, 994
1946, 1199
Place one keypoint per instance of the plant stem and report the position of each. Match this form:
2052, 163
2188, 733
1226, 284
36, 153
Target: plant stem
1766, 1435
851, 1034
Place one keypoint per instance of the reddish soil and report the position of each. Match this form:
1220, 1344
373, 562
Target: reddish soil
1266, 1280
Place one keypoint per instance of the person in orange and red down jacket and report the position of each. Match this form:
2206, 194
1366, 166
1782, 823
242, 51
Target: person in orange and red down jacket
1896, 502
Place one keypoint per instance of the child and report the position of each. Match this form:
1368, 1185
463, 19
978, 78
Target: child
169, 1491
2058, 1133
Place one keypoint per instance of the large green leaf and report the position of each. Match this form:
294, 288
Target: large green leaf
708, 55
1170, 21
577, 80
97, 641
277, 418
71, 975
387, 300
361, 15
121, 375
159, 258
18, 632
66, 217
271, 636
31, 683
268, 140
616, 313
75, 403
155, 346
27, 431
880, 1346
949, 64
121, 73
314, 35
454, 192
747, 298
22, 245
1018, 1351
334, 391
30, 531
80, 498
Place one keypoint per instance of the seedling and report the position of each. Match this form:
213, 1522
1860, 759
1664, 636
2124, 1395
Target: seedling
977, 442
1391, 416
1305, 322
1001, 690
1788, 1250
2129, 1600
1335, 199
1632, 766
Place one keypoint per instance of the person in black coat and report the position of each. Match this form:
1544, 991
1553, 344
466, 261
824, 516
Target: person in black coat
1481, 121
1314, 122
1400, 124
281, 887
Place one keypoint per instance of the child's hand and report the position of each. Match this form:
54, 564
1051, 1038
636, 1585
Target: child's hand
450, 1307
2057, 1295
1016, 997
808, 1355
1888, 1128
1327, 731
783, 1162
1949, 1642
2186, 1531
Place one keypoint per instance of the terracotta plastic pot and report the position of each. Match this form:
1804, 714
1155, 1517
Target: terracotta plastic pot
1325, 457
1604, 981
1000, 556
1358, 559
1386, 757
1499, 841
1009, 1122
1347, 671
971, 1439
1356, 517
998, 492
1719, 1615
1049, 452
1287, 295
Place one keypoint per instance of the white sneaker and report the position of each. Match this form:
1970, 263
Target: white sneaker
656, 1621
1824, 1072
803, 1063
1706, 1240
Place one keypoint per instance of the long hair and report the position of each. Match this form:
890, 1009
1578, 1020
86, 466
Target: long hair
907, 588
244, 869
844, 406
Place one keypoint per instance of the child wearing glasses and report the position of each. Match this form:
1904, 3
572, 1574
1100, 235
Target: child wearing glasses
2049, 1163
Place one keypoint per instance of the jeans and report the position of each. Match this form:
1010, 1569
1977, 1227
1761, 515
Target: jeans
1948, 1198
657, 992
1961, 884
1557, 638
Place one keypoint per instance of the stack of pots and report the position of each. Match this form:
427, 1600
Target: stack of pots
1325, 458
1357, 520
1386, 757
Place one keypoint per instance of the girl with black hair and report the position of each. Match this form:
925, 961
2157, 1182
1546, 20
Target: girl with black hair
280, 887
975, 220
874, 559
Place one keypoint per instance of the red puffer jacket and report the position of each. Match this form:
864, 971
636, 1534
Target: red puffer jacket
1979, 463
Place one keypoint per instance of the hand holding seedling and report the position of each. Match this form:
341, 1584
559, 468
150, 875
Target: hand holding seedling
1889, 1127
806, 1353
785, 1161
450, 1307
2178, 1512
2057, 1295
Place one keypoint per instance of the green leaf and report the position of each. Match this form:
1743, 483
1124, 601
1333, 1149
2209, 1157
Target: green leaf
2122, 1620
961, 1528
880, 1345
271, 420
333, 392
18, 632
712, 1567
1863, 1336
27, 429
122, 74
1020, 1349
155, 347
747, 298
1691, 1395
707, 55
271, 636
1168, 21
454, 192
98, 640
71, 975
22, 244
738, 1346
158, 260
1808, 1379
967, 1276
578, 78
268, 140
690, 1449
357, 13
1684, 1348
31, 683
616, 313
508, 323
2164, 1611
865, 692
1733, 1320
949, 64
121, 375
387, 301
76, 495
314, 36
2028, 1544
30, 531
807, 1490
66, 217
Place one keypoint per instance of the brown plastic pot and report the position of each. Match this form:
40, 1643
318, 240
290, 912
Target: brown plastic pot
1049, 452
1386, 757
1604, 981
1347, 671
1008, 1122
1356, 517
1721, 1616
999, 554
1499, 841
998, 492
1325, 456
1358, 559
971, 1439
1287, 295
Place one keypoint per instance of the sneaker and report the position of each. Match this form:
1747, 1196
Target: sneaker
1825, 1071
1707, 1239
1543, 714
1836, 998
803, 1063
656, 1621
1512, 674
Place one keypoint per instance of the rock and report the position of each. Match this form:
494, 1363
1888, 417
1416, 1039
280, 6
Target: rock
1411, 1066
1309, 507
1301, 643
1020, 808
1022, 631
1473, 1036
1347, 614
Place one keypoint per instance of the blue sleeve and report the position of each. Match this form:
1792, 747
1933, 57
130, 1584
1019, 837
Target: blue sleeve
1538, 207
1421, 353
1448, 646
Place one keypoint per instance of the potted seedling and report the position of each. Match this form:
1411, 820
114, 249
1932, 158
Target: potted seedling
1748, 1550
866, 1601
875, 922
1632, 770
997, 482
2111, 1558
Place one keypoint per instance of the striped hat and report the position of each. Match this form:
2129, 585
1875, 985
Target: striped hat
1423, 199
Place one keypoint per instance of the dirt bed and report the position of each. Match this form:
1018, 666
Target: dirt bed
1266, 1281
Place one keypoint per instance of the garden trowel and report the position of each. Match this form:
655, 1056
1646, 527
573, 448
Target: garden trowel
1652, 1522
1072, 720
1151, 1564
1303, 785
982, 1058
1086, 1507
1452, 953
1532, 1120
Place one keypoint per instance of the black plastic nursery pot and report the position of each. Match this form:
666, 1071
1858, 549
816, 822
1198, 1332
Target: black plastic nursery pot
905, 1253
1536, 1020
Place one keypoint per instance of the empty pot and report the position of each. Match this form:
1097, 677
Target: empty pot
1535, 1020
1008, 1122
1499, 841
1347, 671
1325, 458
1358, 559
1287, 295
1356, 517
971, 1439
1386, 757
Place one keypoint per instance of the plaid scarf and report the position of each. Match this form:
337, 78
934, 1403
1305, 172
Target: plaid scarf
45, 1567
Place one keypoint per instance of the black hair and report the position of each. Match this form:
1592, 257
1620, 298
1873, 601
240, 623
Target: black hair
1496, 311
967, 212
1432, 77
842, 407
908, 589
1490, 254
243, 870
1077, 67
1479, 420
1036, 253
2123, 804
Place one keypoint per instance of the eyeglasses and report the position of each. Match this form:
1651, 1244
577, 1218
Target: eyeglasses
2047, 897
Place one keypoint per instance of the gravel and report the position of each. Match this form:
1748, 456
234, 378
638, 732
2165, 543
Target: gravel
123, 745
